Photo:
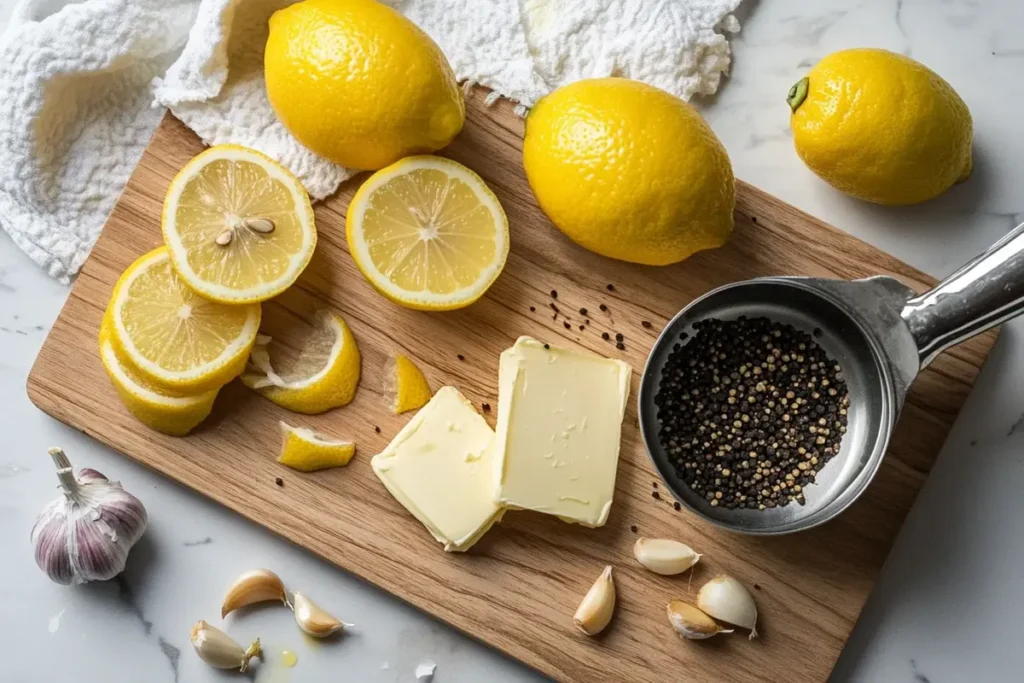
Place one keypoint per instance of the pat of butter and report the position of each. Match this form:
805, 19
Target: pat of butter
559, 424
439, 467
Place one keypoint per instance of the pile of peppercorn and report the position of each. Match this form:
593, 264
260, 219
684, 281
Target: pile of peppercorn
750, 410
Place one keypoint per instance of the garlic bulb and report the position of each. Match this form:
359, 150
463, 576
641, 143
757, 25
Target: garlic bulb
725, 599
86, 533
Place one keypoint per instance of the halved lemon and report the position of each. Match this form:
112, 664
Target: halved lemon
239, 225
175, 415
428, 233
322, 374
175, 338
407, 387
304, 450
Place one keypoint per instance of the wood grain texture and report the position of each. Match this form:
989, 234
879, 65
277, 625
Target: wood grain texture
518, 588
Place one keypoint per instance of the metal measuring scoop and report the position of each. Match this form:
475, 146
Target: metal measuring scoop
881, 333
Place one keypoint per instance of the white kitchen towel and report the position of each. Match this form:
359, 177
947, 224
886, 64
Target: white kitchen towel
84, 83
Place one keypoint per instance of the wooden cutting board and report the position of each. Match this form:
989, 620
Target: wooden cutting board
518, 588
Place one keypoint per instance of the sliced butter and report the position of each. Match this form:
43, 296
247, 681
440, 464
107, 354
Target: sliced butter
439, 467
559, 424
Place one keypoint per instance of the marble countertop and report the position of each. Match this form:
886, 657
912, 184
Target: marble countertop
945, 607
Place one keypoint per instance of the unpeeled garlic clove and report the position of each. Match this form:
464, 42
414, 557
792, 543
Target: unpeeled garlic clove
726, 599
689, 622
596, 608
219, 650
664, 556
255, 585
313, 619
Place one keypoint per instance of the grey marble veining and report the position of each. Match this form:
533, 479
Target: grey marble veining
946, 606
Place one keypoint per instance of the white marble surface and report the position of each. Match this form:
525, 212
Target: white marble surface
945, 609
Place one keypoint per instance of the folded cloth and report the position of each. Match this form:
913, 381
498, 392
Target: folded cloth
83, 85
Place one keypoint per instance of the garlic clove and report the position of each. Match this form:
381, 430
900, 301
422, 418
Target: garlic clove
86, 533
689, 622
313, 619
219, 650
664, 556
255, 585
726, 599
596, 608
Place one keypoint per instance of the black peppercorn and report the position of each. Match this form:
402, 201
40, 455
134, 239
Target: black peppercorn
554, 294
742, 415
279, 481
486, 407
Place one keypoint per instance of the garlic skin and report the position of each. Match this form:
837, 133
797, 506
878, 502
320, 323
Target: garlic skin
726, 599
86, 533
596, 608
219, 650
313, 619
664, 556
690, 623
255, 585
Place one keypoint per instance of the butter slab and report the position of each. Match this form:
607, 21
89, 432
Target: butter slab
559, 426
440, 466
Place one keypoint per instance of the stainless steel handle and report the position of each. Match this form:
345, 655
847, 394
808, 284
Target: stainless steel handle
983, 293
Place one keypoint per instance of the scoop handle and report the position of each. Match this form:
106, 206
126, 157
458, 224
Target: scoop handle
986, 291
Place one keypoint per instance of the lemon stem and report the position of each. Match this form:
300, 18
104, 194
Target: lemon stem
797, 94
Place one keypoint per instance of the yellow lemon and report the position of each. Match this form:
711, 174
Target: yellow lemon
428, 233
408, 388
629, 171
175, 338
239, 226
157, 408
323, 374
360, 84
881, 127
304, 450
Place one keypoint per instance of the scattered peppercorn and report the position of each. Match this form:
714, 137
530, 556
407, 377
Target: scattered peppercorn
757, 586
279, 481
654, 484
646, 323
582, 328
547, 347
753, 219
460, 356
376, 429
611, 288
554, 294
677, 506
632, 527
750, 411
605, 336
620, 346
486, 407
603, 308
567, 325
533, 309
583, 311
655, 495
619, 337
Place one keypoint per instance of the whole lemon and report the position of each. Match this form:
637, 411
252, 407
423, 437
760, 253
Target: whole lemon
359, 84
881, 127
629, 171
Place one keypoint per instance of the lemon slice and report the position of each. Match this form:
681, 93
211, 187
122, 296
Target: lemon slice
157, 409
175, 338
304, 450
323, 374
428, 233
238, 224
408, 388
